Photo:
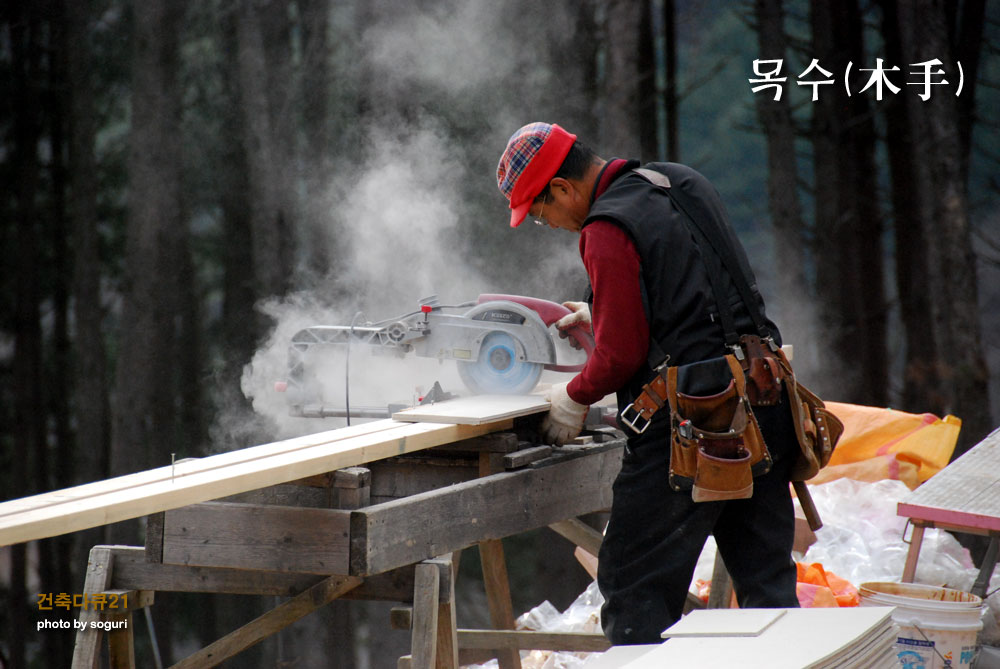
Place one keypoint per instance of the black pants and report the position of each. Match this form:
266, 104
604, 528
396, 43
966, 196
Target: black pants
655, 536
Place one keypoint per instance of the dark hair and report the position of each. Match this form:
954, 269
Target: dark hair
574, 166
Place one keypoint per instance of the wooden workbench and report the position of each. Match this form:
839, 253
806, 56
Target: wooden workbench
963, 497
388, 529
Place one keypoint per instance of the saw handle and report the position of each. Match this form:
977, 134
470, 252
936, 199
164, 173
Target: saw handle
550, 312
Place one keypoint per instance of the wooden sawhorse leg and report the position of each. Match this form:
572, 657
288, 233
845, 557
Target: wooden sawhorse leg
106, 610
433, 629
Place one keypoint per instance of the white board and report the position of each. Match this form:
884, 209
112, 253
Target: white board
723, 622
799, 638
474, 410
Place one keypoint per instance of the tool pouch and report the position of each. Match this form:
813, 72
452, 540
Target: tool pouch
763, 371
716, 445
817, 429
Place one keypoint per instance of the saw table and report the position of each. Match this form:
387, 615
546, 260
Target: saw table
388, 527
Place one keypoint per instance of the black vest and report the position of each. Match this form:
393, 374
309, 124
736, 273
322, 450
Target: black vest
677, 295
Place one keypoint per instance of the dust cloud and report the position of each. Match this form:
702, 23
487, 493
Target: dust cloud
400, 225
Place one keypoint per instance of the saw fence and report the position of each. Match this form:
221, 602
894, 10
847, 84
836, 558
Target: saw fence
387, 526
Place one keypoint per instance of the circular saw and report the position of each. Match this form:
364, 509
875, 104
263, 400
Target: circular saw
501, 343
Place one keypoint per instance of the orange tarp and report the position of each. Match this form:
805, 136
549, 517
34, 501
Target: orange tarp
888, 444
818, 588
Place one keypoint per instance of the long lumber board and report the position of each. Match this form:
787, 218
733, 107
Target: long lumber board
191, 466
136, 495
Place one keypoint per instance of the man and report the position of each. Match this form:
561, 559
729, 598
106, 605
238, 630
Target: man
652, 301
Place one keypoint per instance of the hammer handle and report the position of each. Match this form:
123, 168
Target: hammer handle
808, 507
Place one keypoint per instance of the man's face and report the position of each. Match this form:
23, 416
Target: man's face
559, 208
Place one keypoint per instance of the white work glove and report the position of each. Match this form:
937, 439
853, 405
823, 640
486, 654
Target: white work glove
580, 316
565, 418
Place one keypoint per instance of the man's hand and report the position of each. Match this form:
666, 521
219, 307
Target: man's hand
565, 418
580, 316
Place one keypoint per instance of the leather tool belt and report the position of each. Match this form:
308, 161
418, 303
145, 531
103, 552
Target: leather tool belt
716, 444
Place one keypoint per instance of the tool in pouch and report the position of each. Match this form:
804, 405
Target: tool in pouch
716, 444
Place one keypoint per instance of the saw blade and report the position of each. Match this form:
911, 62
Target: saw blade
498, 371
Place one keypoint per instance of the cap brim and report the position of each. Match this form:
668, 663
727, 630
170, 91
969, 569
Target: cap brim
519, 213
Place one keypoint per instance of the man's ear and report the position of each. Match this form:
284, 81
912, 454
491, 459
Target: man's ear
559, 186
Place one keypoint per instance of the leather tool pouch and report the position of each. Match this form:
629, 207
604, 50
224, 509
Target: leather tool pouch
716, 446
763, 371
817, 429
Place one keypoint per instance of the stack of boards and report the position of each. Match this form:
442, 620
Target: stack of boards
767, 639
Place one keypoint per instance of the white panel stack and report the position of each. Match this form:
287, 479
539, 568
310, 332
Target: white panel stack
769, 639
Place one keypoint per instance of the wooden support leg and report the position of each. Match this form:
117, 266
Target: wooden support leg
426, 592
498, 597
910, 568
447, 626
495, 577
721, 594
87, 650
121, 643
260, 628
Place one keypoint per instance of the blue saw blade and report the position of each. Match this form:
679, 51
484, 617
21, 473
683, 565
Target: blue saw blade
498, 371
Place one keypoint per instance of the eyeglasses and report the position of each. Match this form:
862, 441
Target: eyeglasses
540, 219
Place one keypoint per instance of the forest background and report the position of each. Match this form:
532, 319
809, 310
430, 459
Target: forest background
185, 184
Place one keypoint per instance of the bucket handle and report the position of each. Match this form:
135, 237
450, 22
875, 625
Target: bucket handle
914, 623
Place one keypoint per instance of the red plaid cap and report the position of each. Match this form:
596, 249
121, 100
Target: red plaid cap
533, 156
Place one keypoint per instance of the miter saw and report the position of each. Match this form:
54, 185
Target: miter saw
501, 344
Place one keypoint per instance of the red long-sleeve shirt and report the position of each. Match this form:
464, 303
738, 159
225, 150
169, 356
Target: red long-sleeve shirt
621, 331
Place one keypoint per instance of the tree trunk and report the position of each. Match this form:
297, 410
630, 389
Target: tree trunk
317, 151
939, 172
143, 427
671, 102
88, 375
775, 117
28, 473
921, 383
628, 86
59, 648
849, 254
264, 89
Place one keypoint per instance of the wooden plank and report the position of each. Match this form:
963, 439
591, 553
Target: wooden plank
271, 622
526, 456
529, 640
190, 466
475, 410
257, 536
132, 572
423, 638
69, 513
402, 477
496, 442
404, 531
580, 533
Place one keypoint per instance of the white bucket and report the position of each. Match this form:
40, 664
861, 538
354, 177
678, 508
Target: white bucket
937, 626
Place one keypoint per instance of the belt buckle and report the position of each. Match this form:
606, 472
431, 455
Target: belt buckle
632, 423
